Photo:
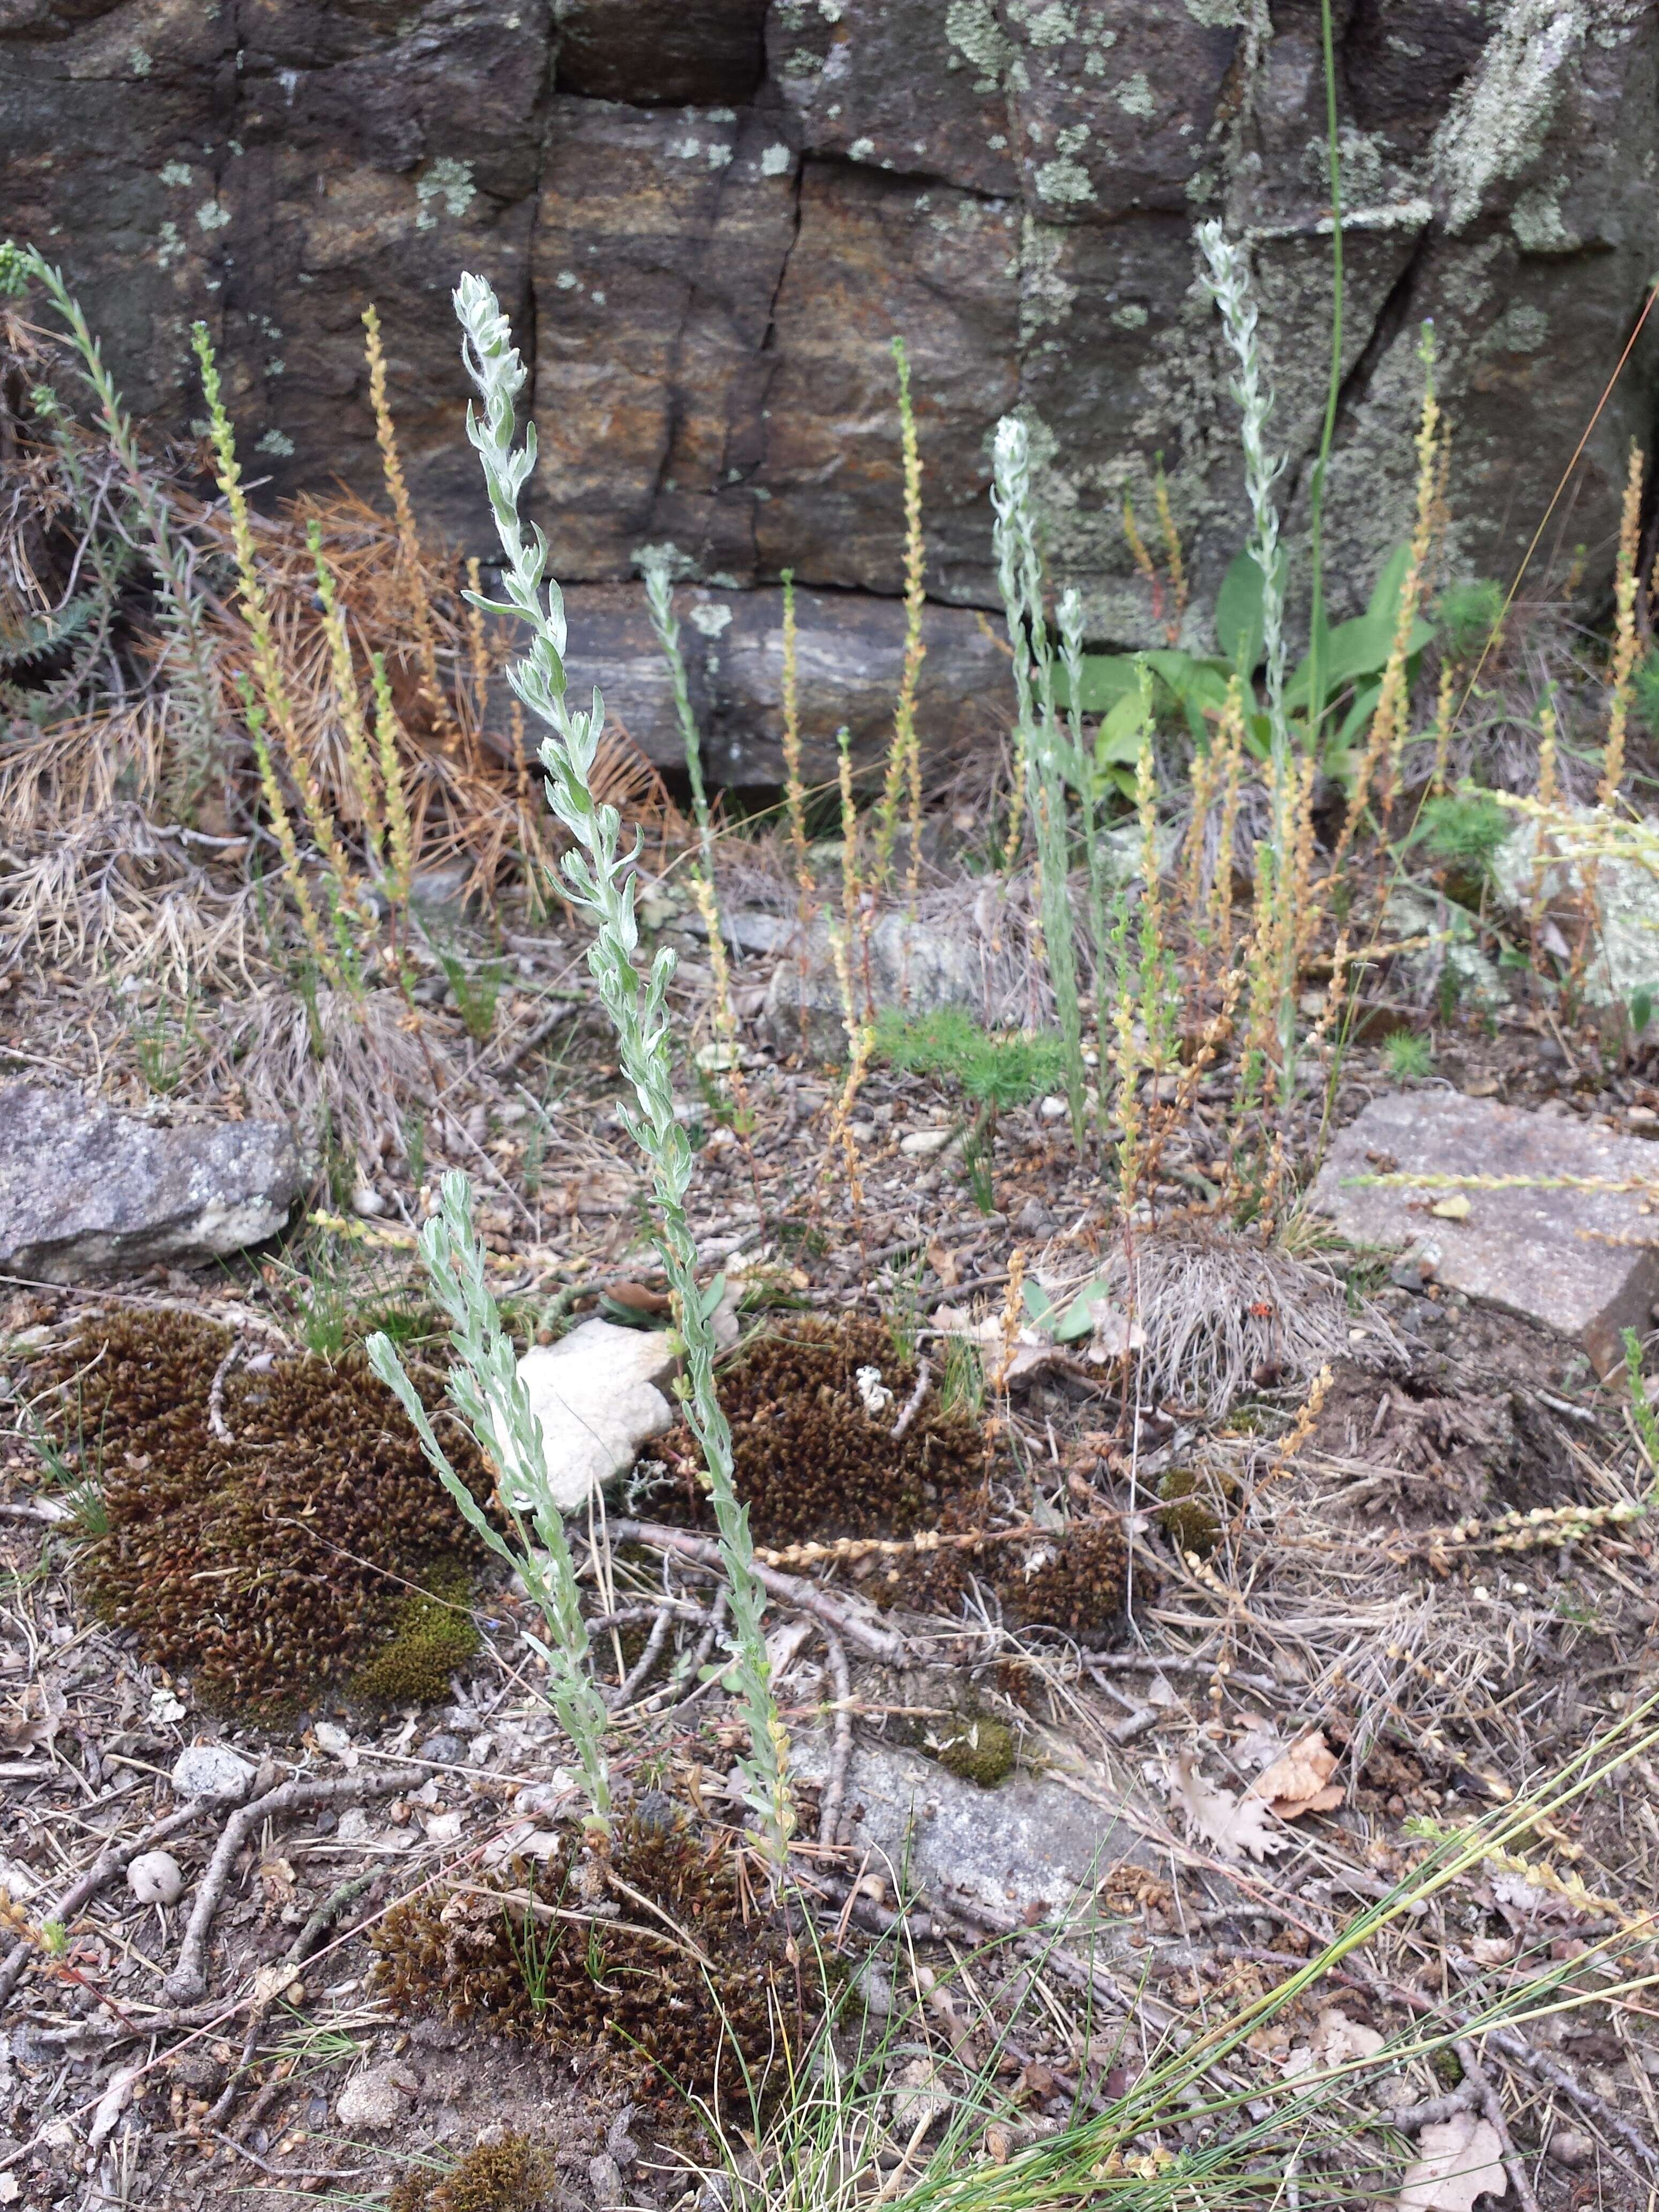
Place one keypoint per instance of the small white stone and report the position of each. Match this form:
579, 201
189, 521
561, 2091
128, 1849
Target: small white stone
210, 1770
1053, 1109
596, 1396
367, 1202
156, 1878
373, 2099
922, 1144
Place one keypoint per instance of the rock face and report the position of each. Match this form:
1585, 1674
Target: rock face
85, 1190
1551, 1256
710, 217
849, 650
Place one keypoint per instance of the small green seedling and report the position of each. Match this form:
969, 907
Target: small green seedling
1065, 1325
1641, 1412
1406, 1056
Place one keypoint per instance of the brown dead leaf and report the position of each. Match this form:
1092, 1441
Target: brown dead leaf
1336, 2041
637, 1299
33, 1721
1231, 1826
1299, 1780
944, 1264
1456, 2161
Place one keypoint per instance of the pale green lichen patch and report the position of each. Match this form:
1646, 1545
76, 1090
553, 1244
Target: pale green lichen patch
140, 63
1524, 329
972, 29
1498, 130
1134, 95
274, 443
1052, 26
213, 215
447, 184
175, 172
1045, 299
1536, 222
169, 247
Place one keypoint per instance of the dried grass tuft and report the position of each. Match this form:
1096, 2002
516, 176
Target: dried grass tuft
1220, 1312
337, 1066
117, 894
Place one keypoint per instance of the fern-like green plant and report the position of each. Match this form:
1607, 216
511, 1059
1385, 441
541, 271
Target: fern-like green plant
195, 682
601, 884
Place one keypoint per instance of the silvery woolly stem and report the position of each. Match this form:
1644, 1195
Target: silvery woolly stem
491, 1397
1070, 652
1038, 736
1229, 284
601, 882
654, 567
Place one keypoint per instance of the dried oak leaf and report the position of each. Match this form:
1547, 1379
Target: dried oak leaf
1336, 2041
1456, 2161
1231, 1826
1300, 1780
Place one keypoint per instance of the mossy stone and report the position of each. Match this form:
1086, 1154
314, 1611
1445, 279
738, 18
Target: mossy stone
980, 1752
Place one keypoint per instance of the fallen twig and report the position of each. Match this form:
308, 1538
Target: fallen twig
1513, 2047
291, 2173
1410, 2119
1492, 2106
834, 1785
188, 1980
217, 1421
641, 1672
331, 1906
880, 1643
46, 1509
913, 1403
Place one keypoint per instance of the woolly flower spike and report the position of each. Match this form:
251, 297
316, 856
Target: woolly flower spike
1229, 283
491, 1400
600, 881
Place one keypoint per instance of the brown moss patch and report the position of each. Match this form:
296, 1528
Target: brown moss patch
812, 1464
646, 1956
514, 2175
278, 1565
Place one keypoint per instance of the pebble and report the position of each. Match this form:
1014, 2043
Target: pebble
156, 1878
371, 2099
922, 1144
1568, 2147
210, 1770
442, 1749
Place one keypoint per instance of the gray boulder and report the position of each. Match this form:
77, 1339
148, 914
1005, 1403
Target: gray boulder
86, 1190
1550, 1226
